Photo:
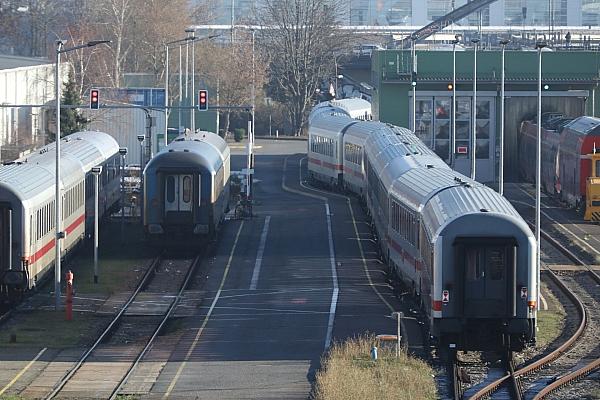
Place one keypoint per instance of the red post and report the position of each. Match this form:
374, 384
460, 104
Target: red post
69, 307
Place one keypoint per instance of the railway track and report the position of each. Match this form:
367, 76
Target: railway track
577, 357
127, 338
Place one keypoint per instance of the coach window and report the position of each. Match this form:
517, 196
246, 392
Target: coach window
187, 189
473, 270
495, 259
171, 189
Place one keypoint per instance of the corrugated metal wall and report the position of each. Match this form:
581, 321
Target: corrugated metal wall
518, 109
125, 125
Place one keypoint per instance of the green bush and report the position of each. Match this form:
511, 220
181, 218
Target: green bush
238, 134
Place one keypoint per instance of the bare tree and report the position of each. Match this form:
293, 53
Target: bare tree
300, 38
229, 70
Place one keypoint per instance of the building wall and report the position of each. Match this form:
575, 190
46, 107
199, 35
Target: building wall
23, 128
421, 12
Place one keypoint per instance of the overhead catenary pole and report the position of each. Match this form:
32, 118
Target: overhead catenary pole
96, 172
232, 21
166, 92
474, 113
59, 234
503, 42
57, 192
414, 83
538, 165
453, 141
193, 82
180, 90
191, 37
187, 59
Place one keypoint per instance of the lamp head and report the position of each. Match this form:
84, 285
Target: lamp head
475, 40
540, 45
504, 42
123, 151
97, 170
191, 33
140, 138
96, 42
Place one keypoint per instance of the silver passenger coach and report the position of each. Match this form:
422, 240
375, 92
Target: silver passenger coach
186, 186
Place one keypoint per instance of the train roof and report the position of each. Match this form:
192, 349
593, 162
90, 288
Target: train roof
34, 174
208, 137
330, 125
200, 150
585, 126
419, 179
355, 107
459, 200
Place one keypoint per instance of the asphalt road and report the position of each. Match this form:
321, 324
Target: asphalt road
281, 287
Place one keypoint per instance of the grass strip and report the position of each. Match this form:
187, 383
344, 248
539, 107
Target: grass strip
349, 373
550, 322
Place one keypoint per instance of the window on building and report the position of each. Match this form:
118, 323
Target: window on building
424, 117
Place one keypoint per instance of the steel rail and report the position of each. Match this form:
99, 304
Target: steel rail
492, 387
168, 314
142, 284
578, 373
456, 381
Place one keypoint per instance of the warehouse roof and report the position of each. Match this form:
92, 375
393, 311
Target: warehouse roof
10, 62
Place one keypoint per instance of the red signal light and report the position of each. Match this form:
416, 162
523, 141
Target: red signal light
94, 99
203, 100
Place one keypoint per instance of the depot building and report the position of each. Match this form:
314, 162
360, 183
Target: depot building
569, 80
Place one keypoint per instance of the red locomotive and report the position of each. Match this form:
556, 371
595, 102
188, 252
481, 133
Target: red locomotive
569, 160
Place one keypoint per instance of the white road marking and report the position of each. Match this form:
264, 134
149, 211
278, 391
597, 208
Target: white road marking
16, 378
259, 256
334, 295
358, 238
212, 307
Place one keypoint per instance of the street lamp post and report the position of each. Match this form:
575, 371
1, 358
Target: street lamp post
192, 37
414, 82
180, 94
166, 91
140, 139
123, 153
538, 160
503, 42
59, 234
474, 120
453, 141
96, 171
